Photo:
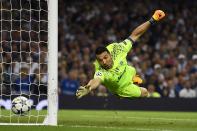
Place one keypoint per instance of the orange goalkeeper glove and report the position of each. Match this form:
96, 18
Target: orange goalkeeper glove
157, 16
137, 80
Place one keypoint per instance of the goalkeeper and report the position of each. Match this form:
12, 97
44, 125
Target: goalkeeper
112, 70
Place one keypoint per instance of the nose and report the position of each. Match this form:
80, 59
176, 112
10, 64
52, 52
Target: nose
104, 61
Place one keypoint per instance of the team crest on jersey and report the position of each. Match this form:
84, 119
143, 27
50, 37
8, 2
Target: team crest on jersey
121, 62
98, 74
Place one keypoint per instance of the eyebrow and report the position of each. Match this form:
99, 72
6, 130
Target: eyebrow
103, 57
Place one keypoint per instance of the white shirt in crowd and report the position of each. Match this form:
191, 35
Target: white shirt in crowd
187, 93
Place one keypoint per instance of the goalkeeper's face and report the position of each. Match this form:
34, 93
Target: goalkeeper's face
105, 60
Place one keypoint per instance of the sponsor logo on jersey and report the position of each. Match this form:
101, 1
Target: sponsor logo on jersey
117, 69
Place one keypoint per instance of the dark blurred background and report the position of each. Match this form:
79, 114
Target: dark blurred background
165, 56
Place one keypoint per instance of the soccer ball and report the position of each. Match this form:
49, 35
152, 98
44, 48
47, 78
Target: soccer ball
21, 105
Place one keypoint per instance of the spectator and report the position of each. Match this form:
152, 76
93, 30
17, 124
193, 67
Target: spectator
187, 92
70, 85
194, 64
171, 89
163, 59
23, 82
182, 62
152, 92
83, 79
166, 59
102, 91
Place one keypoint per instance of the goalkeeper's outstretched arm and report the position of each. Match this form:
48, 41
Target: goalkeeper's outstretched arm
84, 90
137, 32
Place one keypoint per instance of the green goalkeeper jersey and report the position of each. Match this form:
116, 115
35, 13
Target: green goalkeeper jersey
120, 75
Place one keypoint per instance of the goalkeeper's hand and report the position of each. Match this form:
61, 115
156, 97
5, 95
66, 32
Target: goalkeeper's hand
137, 79
82, 91
158, 15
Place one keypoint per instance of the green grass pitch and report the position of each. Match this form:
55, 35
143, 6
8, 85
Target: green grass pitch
103, 120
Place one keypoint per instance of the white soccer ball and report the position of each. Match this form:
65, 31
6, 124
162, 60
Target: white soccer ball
21, 105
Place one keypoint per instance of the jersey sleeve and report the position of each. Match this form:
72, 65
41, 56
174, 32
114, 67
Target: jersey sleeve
99, 74
121, 47
127, 44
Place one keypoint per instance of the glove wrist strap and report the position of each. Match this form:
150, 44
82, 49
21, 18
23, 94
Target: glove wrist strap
152, 21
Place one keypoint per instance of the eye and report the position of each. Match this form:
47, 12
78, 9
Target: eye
99, 59
106, 57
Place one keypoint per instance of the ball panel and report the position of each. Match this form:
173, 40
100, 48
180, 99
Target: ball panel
14, 110
25, 108
20, 105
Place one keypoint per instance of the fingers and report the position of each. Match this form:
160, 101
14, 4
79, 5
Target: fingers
137, 79
158, 15
83, 90
80, 92
78, 97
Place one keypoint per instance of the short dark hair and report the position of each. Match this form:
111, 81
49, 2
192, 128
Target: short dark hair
100, 50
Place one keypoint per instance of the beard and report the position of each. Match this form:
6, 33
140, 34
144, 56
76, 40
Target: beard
106, 67
109, 66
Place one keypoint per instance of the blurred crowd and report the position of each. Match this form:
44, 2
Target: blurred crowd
165, 56
23, 47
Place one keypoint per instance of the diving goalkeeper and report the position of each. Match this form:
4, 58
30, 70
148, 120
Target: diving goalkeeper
112, 70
